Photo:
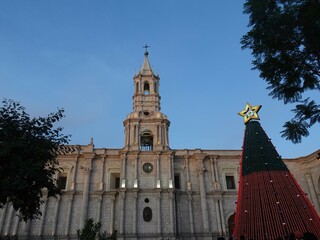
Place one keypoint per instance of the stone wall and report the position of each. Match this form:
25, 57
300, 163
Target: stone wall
91, 193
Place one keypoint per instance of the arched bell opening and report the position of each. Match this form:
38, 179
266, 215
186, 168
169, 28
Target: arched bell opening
146, 141
146, 88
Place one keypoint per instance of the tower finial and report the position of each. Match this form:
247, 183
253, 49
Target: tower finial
146, 47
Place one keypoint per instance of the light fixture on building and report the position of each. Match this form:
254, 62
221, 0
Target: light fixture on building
123, 183
135, 183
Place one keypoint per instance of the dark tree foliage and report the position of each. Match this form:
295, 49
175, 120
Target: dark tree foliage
91, 231
28, 151
285, 42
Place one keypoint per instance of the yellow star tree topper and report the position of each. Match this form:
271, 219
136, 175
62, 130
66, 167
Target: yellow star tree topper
250, 112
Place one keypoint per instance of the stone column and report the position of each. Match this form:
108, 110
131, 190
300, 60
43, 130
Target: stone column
158, 183
171, 171
16, 226
218, 216
186, 163
26, 228
55, 215
159, 212
162, 135
167, 136
191, 224
9, 220
122, 196
69, 214
44, 212
313, 194
127, 135
172, 222
3, 216
223, 222
137, 135
102, 185
212, 170
98, 217
85, 197
74, 174
215, 166
134, 212
123, 170
135, 184
159, 131
111, 214
203, 197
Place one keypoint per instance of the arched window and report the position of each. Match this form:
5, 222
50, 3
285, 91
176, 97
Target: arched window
146, 141
146, 88
147, 214
137, 87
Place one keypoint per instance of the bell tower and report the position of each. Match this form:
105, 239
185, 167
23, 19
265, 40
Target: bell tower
146, 128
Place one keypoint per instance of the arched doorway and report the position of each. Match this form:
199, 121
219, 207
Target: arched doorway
231, 224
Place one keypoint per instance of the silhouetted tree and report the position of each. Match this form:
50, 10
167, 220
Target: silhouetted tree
91, 231
28, 151
284, 39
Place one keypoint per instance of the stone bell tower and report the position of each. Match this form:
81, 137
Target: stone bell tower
146, 128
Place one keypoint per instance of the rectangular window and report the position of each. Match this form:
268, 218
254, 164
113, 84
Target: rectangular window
62, 182
230, 182
115, 181
117, 184
177, 181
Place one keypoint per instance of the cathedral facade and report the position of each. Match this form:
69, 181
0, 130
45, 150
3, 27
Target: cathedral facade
146, 190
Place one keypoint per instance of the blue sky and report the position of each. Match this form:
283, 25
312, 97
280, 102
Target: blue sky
82, 55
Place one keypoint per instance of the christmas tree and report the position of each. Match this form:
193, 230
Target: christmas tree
271, 204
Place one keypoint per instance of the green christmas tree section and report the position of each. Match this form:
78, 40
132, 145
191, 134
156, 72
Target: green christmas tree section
259, 154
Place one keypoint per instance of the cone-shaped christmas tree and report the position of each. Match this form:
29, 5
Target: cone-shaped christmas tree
271, 204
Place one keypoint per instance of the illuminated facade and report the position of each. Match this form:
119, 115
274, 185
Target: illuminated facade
146, 190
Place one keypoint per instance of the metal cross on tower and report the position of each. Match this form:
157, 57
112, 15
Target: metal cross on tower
146, 47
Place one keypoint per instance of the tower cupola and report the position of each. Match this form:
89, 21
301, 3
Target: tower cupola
146, 95
146, 128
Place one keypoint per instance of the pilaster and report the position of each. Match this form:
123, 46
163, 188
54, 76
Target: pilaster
9, 220
134, 211
214, 171
186, 163
111, 222
3, 216
123, 170
16, 226
122, 196
55, 215
172, 208
223, 222
203, 195
86, 189
313, 194
69, 214
159, 211
44, 212
216, 201
191, 224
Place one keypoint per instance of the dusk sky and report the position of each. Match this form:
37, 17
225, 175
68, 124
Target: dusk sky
82, 56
